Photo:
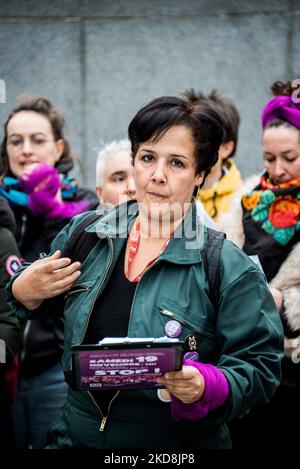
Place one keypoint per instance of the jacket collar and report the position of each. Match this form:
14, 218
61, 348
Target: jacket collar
115, 223
184, 248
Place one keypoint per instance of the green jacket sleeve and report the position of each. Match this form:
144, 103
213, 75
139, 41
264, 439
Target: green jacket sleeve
52, 304
249, 335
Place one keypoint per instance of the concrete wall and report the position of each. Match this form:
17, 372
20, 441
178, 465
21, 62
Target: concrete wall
100, 61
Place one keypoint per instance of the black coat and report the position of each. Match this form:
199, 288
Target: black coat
10, 331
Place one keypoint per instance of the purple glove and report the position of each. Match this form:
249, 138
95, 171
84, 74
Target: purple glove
42, 186
68, 209
43, 178
215, 394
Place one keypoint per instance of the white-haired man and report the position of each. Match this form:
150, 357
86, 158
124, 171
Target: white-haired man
114, 173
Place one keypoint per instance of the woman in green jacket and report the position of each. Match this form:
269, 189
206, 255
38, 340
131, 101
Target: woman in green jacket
145, 277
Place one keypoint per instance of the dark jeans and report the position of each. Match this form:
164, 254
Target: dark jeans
7, 438
38, 403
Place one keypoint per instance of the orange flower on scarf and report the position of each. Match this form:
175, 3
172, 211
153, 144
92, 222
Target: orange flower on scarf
250, 201
284, 212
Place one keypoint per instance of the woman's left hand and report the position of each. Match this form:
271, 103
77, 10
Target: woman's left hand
187, 384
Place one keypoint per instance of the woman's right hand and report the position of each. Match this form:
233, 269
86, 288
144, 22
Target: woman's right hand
45, 278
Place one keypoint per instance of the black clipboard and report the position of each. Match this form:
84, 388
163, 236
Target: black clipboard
125, 363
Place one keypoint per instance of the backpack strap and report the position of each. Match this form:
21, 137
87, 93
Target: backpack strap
78, 247
81, 243
212, 253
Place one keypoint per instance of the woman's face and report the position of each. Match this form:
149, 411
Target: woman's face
164, 173
30, 141
281, 147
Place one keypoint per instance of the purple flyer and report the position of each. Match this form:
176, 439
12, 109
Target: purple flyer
124, 368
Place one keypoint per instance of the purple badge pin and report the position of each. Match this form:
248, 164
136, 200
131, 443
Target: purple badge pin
193, 356
173, 328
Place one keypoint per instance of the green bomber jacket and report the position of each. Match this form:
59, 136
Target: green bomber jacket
244, 338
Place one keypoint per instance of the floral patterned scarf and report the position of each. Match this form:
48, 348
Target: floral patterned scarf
275, 207
271, 220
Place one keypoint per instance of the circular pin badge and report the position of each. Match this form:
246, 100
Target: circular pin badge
12, 264
193, 356
191, 342
173, 328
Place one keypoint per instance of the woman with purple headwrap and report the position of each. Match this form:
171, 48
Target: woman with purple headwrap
265, 222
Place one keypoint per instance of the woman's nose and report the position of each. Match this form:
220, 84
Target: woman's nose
279, 169
159, 174
27, 147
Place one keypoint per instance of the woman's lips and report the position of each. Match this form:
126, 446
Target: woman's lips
157, 195
281, 180
28, 163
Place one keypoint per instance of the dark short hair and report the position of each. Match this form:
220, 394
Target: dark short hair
204, 122
46, 108
226, 108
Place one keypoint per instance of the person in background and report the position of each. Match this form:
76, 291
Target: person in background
35, 158
145, 277
10, 331
265, 222
114, 173
224, 178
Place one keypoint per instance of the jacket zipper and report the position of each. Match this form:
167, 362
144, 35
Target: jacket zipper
168, 313
104, 417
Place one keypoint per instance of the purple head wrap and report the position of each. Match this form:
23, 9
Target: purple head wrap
281, 107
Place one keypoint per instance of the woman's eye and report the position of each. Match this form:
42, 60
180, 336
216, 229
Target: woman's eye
38, 141
291, 159
177, 163
16, 141
269, 158
147, 158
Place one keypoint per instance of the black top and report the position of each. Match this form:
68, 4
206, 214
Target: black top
110, 316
